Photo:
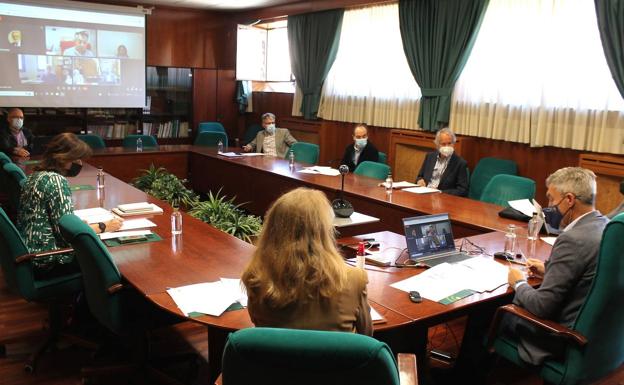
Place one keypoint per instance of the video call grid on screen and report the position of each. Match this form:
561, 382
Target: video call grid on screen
54, 57
428, 235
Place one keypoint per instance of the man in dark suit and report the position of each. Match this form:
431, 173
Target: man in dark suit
361, 149
570, 270
15, 139
443, 169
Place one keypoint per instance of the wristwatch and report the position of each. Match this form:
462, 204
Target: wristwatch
102, 226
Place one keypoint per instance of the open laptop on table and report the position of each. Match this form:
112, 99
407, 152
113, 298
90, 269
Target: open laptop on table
430, 240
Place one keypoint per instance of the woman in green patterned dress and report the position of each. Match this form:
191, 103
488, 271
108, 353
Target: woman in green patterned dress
46, 197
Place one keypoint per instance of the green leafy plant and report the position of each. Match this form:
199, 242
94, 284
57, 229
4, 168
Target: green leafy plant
163, 185
147, 177
227, 216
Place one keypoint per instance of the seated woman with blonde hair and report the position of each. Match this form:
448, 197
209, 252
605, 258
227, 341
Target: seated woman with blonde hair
297, 278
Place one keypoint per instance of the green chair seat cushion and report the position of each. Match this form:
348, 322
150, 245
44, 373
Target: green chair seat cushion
373, 170
66, 284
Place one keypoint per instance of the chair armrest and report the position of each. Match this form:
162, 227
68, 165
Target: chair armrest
115, 288
526, 315
408, 374
29, 257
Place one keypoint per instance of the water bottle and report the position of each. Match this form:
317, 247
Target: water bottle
220, 147
176, 221
388, 184
99, 178
291, 159
510, 241
139, 143
534, 227
360, 256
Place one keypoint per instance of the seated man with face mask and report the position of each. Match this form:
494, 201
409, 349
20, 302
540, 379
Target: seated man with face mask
362, 149
443, 169
15, 139
271, 141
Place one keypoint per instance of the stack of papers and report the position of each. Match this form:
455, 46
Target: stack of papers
323, 170
119, 234
524, 206
399, 185
142, 208
478, 274
211, 298
421, 190
94, 215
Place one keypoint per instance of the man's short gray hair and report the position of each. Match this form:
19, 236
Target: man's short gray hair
576, 180
447, 131
267, 115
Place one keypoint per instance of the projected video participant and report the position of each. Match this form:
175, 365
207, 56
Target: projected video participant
81, 47
15, 38
122, 45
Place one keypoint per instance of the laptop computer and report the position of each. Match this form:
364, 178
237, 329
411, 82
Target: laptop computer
430, 240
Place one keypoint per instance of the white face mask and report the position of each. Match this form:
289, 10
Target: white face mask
270, 128
446, 151
17, 123
361, 143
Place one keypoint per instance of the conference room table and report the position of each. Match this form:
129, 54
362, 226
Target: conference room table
259, 180
204, 254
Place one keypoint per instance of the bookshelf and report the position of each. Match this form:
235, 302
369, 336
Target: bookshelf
167, 114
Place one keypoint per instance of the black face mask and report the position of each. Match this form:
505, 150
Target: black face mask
553, 215
74, 169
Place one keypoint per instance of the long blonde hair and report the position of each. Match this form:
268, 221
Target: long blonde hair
296, 259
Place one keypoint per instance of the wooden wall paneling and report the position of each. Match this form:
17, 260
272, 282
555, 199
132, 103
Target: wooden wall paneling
204, 96
609, 170
226, 107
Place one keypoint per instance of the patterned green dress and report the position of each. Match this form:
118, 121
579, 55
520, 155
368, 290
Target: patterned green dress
45, 198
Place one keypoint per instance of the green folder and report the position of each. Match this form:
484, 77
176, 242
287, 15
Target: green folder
153, 237
456, 297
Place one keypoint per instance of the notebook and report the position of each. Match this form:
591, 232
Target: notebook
430, 240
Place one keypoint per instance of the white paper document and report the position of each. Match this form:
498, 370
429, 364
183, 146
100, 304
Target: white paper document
133, 224
477, 274
355, 219
252, 154
323, 170
211, 298
399, 185
549, 240
119, 234
421, 190
94, 215
231, 154
375, 316
524, 206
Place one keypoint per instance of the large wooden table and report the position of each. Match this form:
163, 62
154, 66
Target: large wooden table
204, 254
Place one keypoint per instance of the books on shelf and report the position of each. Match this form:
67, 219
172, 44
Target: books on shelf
118, 130
171, 129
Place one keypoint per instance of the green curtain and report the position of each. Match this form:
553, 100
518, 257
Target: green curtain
438, 36
313, 40
610, 15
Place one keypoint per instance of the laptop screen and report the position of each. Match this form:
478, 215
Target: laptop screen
428, 235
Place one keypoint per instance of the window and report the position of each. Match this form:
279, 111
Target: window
262, 53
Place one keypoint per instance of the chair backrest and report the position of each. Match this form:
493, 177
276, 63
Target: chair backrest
289, 356
211, 139
210, 127
485, 170
601, 317
4, 158
94, 141
383, 158
99, 272
503, 188
305, 152
15, 178
251, 133
373, 169
148, 141
18, 276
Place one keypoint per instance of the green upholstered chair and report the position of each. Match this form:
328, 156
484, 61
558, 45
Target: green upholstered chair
210, 127
211, 139
4, 189
17, 270
94, 141
148, 141
305, 152
4, 158
251, 133
485, 170
119, 308
503, 188
594, 343
14, 177
383, 158
373, 170
264, 356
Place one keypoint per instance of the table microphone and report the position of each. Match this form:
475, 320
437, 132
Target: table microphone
342, 208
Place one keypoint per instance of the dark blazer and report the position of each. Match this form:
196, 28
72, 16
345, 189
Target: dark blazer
369, 153
8, 142
455, 178
568, 277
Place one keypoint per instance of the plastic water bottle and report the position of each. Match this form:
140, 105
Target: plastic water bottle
534, 227
220, 147
388, 184
139, 145
510, 241
176, 221
360, 256
99, 178
291, 159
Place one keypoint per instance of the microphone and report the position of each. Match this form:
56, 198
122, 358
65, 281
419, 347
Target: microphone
342, 208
